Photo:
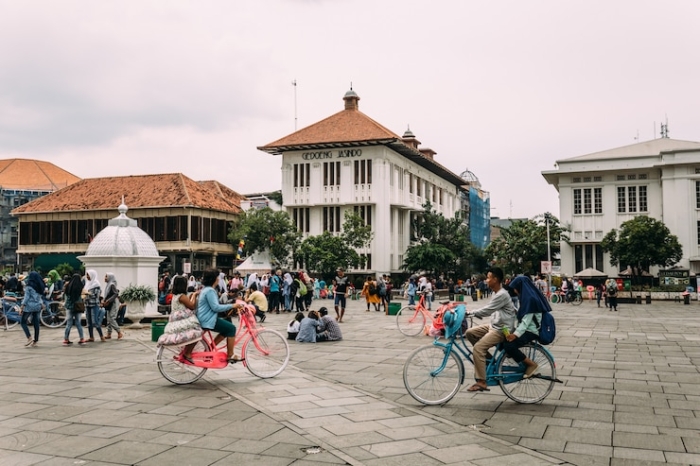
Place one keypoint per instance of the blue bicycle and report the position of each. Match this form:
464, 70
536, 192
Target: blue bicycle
433, 374
9, 311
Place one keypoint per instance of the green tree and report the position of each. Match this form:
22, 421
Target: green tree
264, 229
641, 243
324, 253
522, 246
442, 245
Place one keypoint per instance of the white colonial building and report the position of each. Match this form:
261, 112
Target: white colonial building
600, 191
350, 162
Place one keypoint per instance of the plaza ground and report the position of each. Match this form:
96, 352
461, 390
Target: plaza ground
630, 397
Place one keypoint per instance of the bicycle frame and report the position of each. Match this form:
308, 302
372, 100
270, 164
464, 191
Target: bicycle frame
420, 307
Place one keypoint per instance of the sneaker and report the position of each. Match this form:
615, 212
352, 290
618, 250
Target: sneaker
29, 342
83, 342
67, 343
34, 344
530, 371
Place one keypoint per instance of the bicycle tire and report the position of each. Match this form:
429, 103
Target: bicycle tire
54, 314
410, 321
577, 300
179, 373
427, 388
266, 365
555, 298
11, 323
534, 389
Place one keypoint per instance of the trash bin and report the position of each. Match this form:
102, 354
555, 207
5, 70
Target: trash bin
459, 297
686, 298
475, 297
394, 308
157, 328
648, 299
639, 299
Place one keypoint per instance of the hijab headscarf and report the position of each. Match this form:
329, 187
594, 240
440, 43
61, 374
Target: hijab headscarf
531, 299
53, 277
288, 278
75, 287
222, 283
93, 282
35, 281
111, 280
252, 278
192, 282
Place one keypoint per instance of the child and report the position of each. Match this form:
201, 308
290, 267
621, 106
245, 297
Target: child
293, 326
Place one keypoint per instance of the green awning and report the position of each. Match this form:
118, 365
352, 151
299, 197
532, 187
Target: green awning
46, 262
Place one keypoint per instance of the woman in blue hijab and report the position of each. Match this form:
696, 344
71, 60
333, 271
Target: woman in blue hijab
532, 305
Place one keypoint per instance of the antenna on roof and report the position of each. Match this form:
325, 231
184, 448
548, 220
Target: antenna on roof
351, 85
294, 83
664, 129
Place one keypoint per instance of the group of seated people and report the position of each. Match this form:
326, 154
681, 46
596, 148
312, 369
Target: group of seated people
315, 327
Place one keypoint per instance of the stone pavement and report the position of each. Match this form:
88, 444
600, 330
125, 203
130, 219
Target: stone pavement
630, 397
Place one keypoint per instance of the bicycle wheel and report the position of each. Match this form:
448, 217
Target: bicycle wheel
422, 381
577, 299
53, 314
537, 387
410, 321
11, 317
175, 371
267, 358
554, 299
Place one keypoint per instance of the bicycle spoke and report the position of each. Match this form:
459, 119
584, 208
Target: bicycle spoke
175, 369
430, 378
266, 353
534, 389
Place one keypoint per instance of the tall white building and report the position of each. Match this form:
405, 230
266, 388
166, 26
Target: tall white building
598, 192
350, 162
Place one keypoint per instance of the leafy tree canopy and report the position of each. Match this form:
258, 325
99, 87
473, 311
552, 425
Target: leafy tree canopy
522, 246
442, 246
641, 243
266, 229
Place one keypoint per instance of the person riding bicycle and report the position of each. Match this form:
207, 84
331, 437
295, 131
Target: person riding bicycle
485, 336
208, 309
532, 305
567, 287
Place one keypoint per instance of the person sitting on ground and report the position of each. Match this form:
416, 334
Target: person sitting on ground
485, 336
532, 305
258, 299
329, 330
294, 325
308, 328
208, 308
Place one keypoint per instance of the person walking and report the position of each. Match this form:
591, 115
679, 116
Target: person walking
371, 293
75, 306
275, 292
31, 306
93, 312
340, 294
287, 292
111, 306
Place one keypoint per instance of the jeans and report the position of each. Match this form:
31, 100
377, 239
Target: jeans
411, 300
287, 302
36, 323
94, 318
73, 319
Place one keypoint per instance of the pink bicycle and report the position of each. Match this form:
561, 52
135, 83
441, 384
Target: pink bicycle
265, 352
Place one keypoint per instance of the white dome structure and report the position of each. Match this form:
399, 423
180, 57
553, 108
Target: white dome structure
124, 249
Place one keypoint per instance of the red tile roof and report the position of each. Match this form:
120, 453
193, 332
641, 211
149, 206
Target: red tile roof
142, 191
33, 175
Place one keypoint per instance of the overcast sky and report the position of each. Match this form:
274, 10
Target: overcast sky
502, 88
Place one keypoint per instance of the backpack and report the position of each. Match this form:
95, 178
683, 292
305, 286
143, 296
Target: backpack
611, 288
382, 288
548, 330
302, 288
161, 285
372, 289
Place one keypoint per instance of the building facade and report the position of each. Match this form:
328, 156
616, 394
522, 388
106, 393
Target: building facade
350, 162
188, 220
600, 191
22, 181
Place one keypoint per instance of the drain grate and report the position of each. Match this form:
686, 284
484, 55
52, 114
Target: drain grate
314, 450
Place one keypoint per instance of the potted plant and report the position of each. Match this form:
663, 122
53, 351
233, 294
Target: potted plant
136, 297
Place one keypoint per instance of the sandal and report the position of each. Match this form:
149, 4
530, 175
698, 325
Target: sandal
108, 337
234, 360
120, 335
477, 388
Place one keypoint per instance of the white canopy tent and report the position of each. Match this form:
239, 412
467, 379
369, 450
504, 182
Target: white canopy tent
590, 273
258, 262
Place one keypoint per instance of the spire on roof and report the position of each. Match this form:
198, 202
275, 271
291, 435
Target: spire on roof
408, 133
351, 99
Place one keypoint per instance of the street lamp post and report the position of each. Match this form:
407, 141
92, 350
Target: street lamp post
549, 254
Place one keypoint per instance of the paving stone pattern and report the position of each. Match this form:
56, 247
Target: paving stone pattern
630, 397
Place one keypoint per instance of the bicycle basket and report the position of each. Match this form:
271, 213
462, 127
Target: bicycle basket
453, 320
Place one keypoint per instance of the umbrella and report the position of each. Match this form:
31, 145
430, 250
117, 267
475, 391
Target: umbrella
590, 273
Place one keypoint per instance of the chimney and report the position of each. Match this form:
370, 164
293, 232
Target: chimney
409, 139
428, 153
351, 99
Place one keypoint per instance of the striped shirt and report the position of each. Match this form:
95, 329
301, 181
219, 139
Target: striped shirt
331, 328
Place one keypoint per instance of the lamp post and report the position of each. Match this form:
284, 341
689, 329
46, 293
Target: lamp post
549, 253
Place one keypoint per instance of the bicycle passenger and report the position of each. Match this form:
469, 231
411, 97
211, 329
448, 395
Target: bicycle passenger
31, 306
208, 308
485, 336
532, 304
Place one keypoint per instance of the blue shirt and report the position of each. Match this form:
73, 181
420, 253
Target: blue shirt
32, 301
208, 307
307, 330
275, 284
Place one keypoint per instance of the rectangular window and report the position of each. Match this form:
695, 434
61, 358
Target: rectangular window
587, 201
576, 179
302, 175
643, 176
331, 173
698, 232
440, 196
599, 265
632, 198
597, 179
410, 183
206, 230
301, 219
363, 171
586, 179
631, 177
697, 194
598, 200
331, 219
643, 199
578, 258
419, 184
577, 201
621, 200
400, 177
196, 226
365, 213
589, 255
620, 178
